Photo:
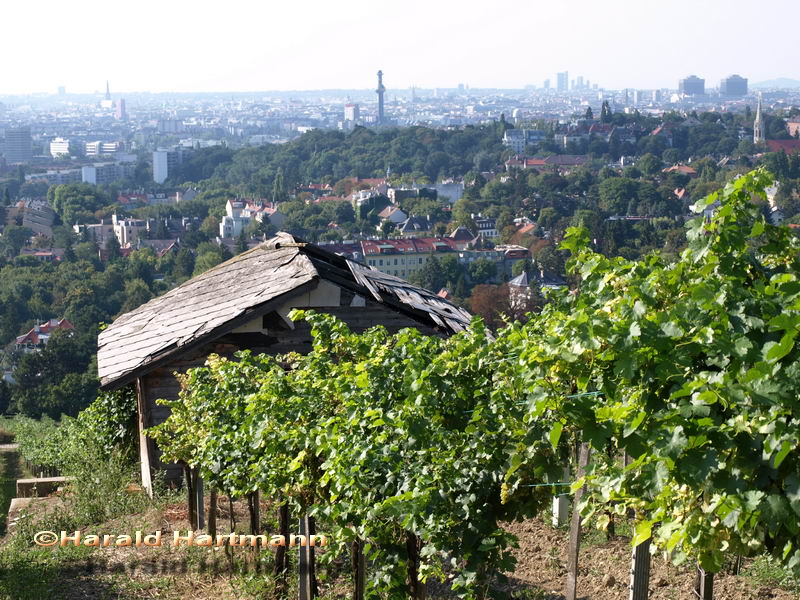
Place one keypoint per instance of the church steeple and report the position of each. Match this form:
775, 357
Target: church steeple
758, 125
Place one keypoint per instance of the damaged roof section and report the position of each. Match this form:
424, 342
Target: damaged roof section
246, 287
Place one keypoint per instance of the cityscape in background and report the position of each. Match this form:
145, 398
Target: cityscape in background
97, 139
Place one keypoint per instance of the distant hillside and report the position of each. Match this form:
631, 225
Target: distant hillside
780, 82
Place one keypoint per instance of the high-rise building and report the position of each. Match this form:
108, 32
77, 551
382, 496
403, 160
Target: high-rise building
351, 112
692, 86
165, 161
733, 86
547, 84
18, 147
97, 148
580, 82
562, 81
59, 147
62, 90
759, 136
171, 126
380, 91
105, 173
121, 113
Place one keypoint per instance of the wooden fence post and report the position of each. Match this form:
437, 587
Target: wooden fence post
190, 495
704, 584
307, 585
281, 570
212, 513
575, 527
413, 547
640, 572
200, 509
357, 556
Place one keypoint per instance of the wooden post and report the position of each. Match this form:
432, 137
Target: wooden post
200, 507
254, 509
640, 572
704, 584
575, 528
737, 565
413, 547
357, 557
281, 569
145, 443
307, 585
190, 495
231, 514
212, 513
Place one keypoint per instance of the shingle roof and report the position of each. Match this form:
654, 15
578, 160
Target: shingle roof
243, 288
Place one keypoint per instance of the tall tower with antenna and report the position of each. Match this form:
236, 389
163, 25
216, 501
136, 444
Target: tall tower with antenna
108, 91
758, 125
380, 91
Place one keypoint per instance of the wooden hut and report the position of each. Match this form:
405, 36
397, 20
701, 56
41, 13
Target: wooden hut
244, 304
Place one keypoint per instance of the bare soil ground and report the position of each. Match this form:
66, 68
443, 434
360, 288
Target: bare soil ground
604, 570
178, 574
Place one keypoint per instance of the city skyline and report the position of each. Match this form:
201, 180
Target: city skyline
292, 48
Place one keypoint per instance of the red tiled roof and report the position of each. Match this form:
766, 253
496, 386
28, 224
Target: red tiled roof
535, 162
788, 146
408, 245
46, 328
682, 169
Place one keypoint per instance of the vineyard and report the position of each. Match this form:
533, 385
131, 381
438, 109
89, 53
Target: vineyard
662, 392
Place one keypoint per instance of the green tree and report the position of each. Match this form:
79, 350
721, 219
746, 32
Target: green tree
184, 264
113, 250
521, 266
616, 193
430, 276
482, 270
241, 243
649, 164
205, 261
136, 294
605, 113
550, 259
279, 193
14, 238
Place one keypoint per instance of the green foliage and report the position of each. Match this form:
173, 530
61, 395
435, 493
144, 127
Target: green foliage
104, 429
690, 368
58, 378
77, 202
431, 453
482, 270
13, 239
698, 366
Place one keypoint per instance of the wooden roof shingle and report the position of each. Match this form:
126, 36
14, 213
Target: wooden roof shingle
243, 288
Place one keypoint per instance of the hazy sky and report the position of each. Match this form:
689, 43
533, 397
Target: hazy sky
237, 45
